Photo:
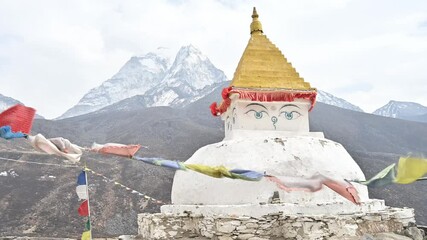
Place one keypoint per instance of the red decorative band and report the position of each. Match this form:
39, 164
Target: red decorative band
262, 96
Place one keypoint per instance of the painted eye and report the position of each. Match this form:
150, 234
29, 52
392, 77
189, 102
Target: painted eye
257, 115
291, 115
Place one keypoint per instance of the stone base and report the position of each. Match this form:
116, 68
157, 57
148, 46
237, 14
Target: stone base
274, 225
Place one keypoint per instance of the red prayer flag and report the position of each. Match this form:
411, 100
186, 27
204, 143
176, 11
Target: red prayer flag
19, 118
84, 209
346, 190
116, 149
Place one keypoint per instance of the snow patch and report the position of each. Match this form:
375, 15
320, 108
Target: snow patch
330, 99
10, 172
165, 99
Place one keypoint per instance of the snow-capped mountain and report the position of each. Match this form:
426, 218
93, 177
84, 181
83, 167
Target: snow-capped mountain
138, 75
160, 84
402, 110
330, 99
7, 102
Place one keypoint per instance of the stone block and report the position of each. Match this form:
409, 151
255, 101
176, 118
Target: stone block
251, 225
248, 230
226, 228
414, 233
225, 238
257, 238
245, 236
172, 233
240, 228
390, 236
234, 223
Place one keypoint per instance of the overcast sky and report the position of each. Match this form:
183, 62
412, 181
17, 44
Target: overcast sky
367, 52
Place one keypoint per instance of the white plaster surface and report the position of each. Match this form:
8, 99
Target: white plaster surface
258, 210
270, 116
277, 153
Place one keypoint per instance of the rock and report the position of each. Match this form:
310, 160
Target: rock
367, 237
414, 233
251, 225
245, 236
172, 233
390, 236
225, 238
257, 238
226, 228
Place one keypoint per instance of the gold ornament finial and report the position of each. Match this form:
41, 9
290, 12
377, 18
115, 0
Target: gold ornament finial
256, 25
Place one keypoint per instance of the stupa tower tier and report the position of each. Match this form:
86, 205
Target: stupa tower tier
265, 112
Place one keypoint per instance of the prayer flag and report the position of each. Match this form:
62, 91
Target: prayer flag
40, 143
216, 172
162, 162
81, 179
7, 133
83, 209
410, 169
65, 146
314, 184
19, 118
344, 189
247, 174
383, 178
81, 191
116, 149
86, 235
87, 225
221, 171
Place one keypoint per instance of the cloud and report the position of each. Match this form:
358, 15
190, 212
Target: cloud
52, 52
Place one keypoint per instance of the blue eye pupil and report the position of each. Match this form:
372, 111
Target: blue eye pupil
289, 115
258, 115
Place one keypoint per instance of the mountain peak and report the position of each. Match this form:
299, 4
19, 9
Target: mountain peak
193, 69
152, 76
330, 99
400, 109
191, 55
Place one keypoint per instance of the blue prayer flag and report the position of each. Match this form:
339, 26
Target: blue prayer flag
7, 133
81, 179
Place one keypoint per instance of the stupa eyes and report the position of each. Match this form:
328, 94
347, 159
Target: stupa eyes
287, 111
290, 115
257, 114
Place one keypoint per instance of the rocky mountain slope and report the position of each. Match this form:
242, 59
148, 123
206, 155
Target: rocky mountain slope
403, 110
162, 84
41, 205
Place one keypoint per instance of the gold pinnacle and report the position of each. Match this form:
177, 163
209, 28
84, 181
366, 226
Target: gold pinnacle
263, 65
256, 25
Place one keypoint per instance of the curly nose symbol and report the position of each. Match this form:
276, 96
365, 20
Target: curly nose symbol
274, 120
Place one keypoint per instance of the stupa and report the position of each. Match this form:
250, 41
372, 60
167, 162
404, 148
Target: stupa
265, 112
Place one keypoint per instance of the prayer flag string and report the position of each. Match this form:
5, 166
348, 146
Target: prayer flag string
133, 191
16, 122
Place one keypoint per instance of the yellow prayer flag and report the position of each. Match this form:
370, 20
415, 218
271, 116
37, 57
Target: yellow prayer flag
216, 172
86, 235
410, 169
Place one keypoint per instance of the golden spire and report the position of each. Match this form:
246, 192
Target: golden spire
256, 25
263, 66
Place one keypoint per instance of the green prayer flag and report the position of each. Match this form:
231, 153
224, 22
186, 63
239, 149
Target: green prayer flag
87, 225
383, 178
